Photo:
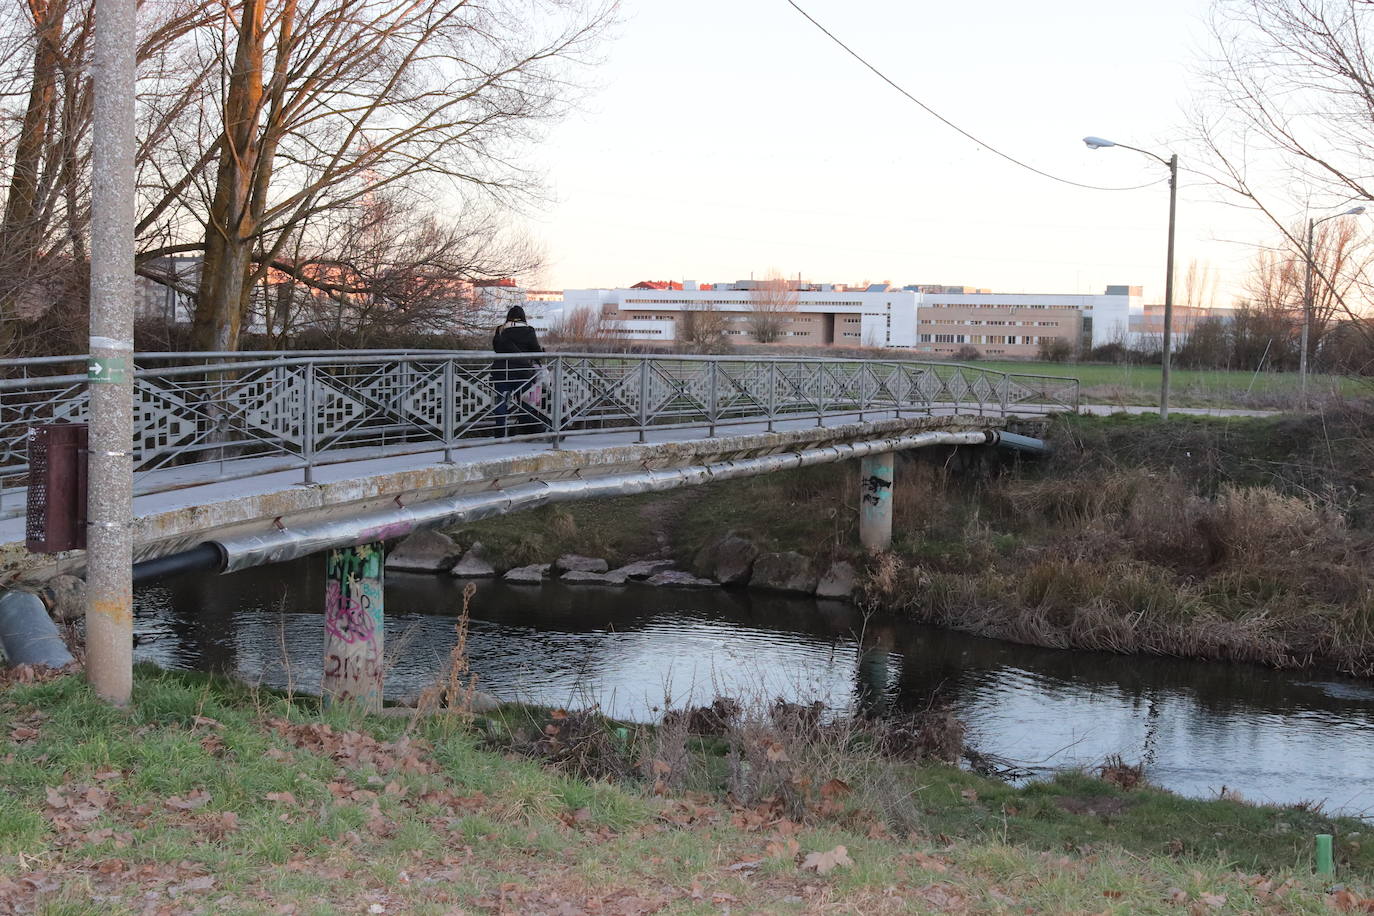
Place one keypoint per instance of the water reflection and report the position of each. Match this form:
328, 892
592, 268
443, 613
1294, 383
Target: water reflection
1271, 735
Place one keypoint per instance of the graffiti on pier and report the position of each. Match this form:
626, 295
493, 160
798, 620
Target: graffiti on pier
352, 593
874, 490
347, 616
353, 666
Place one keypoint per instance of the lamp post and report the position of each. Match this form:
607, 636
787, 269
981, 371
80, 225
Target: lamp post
1307, 296
1172, 164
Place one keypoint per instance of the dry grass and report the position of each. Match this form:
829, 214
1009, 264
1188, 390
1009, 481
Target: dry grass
454, 690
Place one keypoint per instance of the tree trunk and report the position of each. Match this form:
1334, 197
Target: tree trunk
20, 234
230, 229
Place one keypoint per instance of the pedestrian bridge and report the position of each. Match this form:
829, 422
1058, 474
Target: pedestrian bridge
271, 456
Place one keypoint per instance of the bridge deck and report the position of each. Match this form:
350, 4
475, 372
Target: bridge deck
201, 505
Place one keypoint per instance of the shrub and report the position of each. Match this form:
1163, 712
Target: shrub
1056, 350
967, 353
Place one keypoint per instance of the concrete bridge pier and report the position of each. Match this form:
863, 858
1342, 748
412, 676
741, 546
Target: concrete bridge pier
353, 626
875, 501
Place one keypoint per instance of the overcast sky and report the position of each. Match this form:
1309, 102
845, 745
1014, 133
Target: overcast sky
727, 137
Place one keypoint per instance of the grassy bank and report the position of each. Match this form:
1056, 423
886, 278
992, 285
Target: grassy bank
1239, 539
1139, 385
208, 797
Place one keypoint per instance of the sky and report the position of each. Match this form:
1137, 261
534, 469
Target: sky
720, 140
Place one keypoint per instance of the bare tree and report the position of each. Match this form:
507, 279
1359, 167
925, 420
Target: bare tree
703, 327
771, 304
583, 326
45, 112
325, 102
1290, 119
1340, 256
383, 267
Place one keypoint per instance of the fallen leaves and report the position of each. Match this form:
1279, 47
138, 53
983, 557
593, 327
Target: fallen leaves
32, 674
1343, 901
196, 798
822, 863
354, 749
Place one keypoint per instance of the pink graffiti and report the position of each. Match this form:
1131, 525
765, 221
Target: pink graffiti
345, 617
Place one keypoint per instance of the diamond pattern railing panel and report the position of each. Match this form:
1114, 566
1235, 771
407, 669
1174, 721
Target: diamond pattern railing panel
231, 416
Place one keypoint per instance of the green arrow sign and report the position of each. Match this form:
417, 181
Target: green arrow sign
106, 371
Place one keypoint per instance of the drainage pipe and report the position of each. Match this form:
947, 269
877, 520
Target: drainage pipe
205, 557
287, 543
1019, 443
28, 635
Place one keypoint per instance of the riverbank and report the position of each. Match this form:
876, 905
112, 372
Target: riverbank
209, 797
1235, 539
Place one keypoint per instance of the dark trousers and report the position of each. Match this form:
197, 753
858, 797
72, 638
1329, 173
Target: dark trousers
513, 416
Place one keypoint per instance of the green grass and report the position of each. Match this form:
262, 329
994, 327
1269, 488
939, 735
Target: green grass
475, 829
1137, 385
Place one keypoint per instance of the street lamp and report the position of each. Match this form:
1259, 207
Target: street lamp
1172, 164
1307, 296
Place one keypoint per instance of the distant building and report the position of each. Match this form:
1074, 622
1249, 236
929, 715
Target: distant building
941, 320
170, 302
1147, 327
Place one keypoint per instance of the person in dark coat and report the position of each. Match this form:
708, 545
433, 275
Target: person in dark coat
514, 376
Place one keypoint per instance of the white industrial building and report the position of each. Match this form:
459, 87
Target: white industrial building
875, 315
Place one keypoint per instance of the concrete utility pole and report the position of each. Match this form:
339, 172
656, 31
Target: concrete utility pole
109, 551
1167, 356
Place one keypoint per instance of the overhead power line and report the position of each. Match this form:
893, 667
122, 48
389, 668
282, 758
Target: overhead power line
948, 123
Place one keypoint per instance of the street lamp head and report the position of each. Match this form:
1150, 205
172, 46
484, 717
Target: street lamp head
1354, 211
1097, 142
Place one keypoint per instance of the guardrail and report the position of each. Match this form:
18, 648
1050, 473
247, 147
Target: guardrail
203, 417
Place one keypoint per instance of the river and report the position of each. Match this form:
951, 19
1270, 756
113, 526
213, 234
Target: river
1272, 736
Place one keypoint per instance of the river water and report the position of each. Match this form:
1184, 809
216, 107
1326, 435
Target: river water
1271, 736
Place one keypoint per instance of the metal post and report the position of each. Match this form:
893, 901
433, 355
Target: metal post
875, 501
772, 393
711, 387
353, 627
1006, 392
1169, 292
308, 408
109, 552
643, 395
862, 402
450, 396
820, 395
556, 406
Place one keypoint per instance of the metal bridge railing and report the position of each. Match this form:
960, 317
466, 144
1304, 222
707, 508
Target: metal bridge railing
205, 417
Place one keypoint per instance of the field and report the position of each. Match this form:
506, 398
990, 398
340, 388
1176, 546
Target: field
1134, 385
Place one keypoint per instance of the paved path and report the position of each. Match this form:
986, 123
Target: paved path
1102, 410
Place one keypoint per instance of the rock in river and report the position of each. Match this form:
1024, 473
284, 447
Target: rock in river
785, 572
424, 551
528, 575
573, 563
474, 564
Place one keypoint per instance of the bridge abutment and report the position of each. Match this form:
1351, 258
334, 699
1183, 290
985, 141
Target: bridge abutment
353, 626
876, 481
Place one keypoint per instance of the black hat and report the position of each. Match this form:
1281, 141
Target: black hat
516, 313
